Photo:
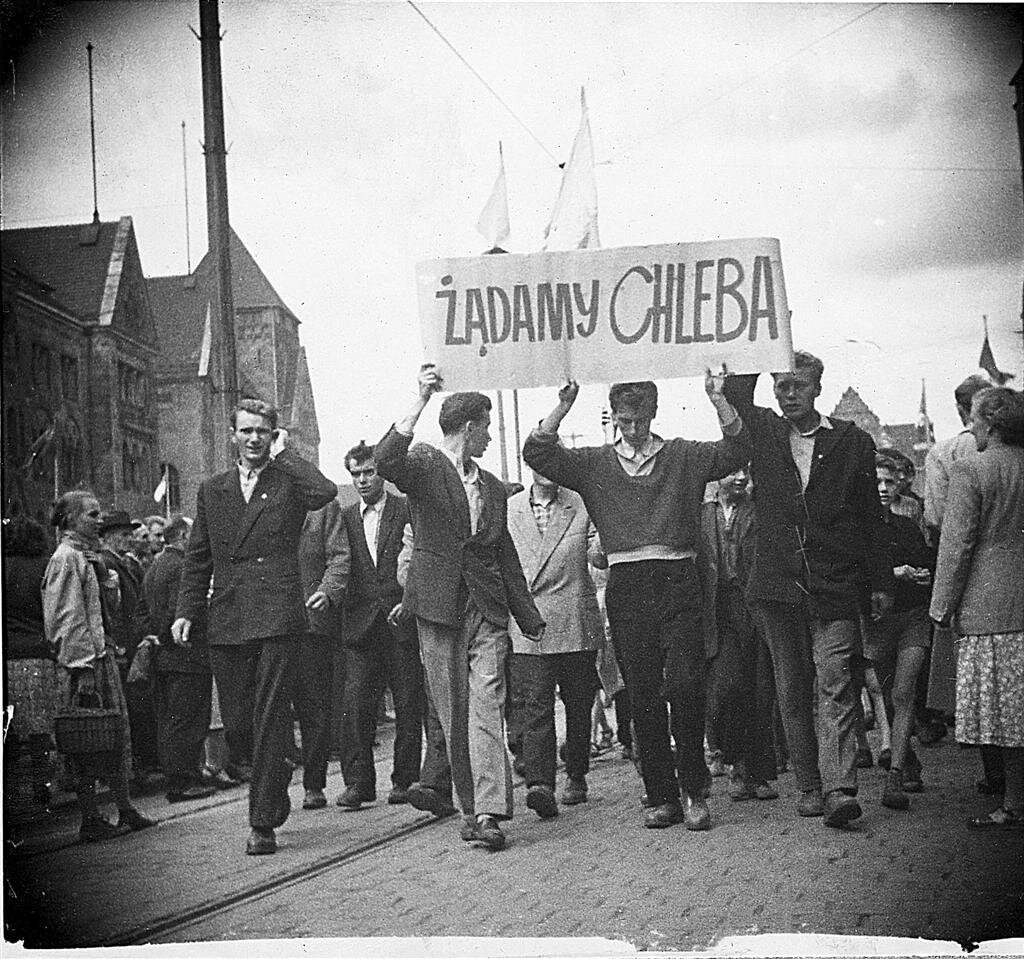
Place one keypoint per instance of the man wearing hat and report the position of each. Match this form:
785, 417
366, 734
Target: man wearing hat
127, 626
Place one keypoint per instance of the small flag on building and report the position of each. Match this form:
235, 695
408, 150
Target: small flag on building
161, 489
988, 362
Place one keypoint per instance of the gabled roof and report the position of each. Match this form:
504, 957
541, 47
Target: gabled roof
249, 285
179, 310
76, 273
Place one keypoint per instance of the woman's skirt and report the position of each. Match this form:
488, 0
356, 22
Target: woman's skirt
990, 690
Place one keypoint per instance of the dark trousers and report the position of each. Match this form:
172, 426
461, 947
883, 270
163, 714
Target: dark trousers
382, 658
535, 676
805, 649
311, 697
741, 690
655, 616
141, 700
437, 770
183, 722
255, 682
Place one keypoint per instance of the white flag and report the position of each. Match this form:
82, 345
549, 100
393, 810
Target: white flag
573, 223
161, 489
493, 224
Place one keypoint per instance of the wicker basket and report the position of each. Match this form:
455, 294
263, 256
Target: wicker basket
81, 730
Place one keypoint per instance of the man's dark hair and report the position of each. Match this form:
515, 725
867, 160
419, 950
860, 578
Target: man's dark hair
257, 407
461, 408
964, 393
638, 396
885, 461
175, 528
359, 453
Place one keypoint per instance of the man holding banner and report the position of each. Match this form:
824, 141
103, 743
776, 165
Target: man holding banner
644, 495
464, 581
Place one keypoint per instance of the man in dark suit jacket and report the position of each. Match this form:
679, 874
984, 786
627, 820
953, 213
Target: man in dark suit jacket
375, 651
245, 541
820, 541
324, 565
466, 578
183, 686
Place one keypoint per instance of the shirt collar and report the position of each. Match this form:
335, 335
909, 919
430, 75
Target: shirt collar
470, 475
824, 424
377, 507
247, 472
651, 445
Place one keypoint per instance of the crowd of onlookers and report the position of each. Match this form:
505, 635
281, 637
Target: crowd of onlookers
805, 624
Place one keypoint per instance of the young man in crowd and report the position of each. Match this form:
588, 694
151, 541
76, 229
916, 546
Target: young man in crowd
245, 544
819, 537
466, 580
644, 495
898, 642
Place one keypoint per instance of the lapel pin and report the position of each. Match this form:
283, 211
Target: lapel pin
264, 496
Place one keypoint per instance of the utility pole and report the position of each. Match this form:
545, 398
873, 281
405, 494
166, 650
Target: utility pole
1018, 84
217, 221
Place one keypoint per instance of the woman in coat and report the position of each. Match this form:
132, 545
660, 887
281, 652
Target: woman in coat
979, 589
75, 580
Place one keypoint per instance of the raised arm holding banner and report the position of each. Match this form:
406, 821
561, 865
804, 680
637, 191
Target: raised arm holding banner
648, 312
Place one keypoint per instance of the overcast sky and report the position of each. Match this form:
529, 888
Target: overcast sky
877, 143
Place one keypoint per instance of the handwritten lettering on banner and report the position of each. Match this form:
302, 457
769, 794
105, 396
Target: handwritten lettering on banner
627, 313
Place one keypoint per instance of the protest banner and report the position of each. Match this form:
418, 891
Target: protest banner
512, 321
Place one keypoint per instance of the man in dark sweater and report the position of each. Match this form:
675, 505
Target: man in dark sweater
819, 537
644, 495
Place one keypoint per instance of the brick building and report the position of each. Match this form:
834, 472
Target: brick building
271, 366
79, 352
911, 439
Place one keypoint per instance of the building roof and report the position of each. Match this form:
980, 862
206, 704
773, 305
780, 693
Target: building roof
179, 309
249, 284
75, 272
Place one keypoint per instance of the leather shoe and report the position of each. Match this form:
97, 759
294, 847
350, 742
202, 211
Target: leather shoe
765, 791
314, 799
132, 819
739, 783
487, 831
840, 809
810, 803
261, 843
283, 812
696, 816
665, 815
575, 792
399, 796
240, 774
429, 800
467, 828
893, 796
541, 799
96, 829
353, 798
862, 758
191, 792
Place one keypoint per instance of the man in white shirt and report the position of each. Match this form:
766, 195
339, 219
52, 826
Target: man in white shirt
375, 652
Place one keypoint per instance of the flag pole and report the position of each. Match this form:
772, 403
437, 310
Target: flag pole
167, 491
501, 438
519, 445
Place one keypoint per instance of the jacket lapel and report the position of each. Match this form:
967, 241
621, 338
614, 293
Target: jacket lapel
562, 513
264, 492
386, 529
524, 531
457, 495
825, 442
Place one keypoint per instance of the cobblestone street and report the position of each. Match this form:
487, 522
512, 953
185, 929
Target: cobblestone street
591, 872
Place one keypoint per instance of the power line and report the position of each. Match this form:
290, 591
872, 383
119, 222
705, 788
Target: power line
756, 76
489, 88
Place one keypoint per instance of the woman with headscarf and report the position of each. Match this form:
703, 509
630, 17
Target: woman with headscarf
980, 590
75, 586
